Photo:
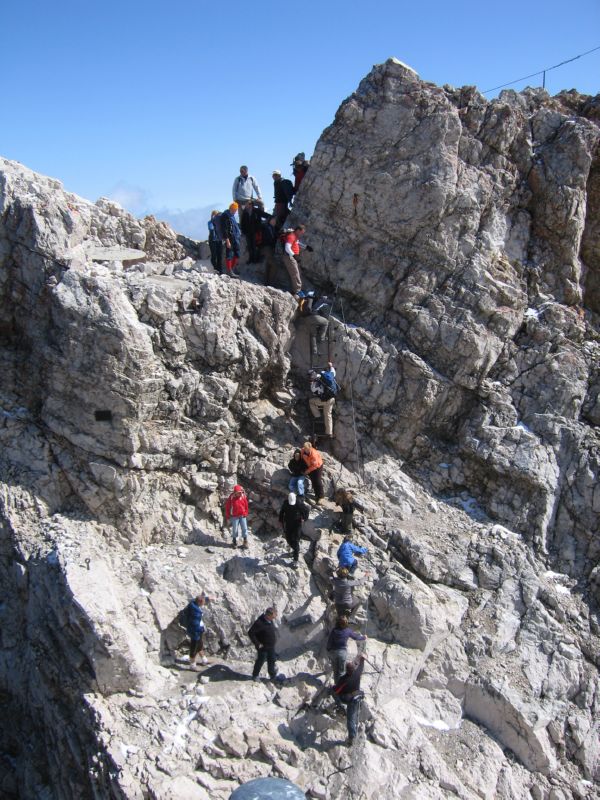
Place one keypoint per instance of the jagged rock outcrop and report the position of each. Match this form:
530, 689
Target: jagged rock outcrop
463, 233
138, 386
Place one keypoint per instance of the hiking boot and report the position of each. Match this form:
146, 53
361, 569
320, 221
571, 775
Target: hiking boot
234, 543
350, 741
204, 660
245, 544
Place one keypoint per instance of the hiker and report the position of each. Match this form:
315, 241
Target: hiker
215, 241
263, 635
314, 469
283, 194
323, 388
315, 310
291, 255
342, 594
299, 169
298, 482
231, 232
251, 223
346, 552
236, 512
194, 625
347, 688
268, 242
293, 513
245, 188
337, 645
345, 499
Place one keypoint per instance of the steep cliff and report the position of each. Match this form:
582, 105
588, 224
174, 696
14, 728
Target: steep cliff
461, 239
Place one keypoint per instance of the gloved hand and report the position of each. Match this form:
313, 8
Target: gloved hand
309, 248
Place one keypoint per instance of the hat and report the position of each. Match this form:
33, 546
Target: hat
233, 206
277, 172
237, 488
292, 498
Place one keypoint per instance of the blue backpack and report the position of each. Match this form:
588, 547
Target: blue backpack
332, 387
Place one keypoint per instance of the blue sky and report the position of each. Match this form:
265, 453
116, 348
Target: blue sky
157, 104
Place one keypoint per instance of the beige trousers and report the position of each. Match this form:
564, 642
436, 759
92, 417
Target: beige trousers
316, 404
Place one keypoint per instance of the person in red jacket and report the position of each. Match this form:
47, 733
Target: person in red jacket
236, 511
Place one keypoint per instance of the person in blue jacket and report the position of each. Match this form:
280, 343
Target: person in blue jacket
195, 628
346, 553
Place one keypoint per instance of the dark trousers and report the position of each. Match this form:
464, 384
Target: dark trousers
316, 478
253, 254
265, 654
281, 211
292, 537
216, 255
270, 264
196, 646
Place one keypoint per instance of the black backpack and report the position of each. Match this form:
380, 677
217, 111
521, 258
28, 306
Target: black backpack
184, 616
288, 189
217, 221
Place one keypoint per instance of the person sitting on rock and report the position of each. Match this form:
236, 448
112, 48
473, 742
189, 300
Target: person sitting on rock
293, 513
314, 469
315, 310
323, 388
337, 645
263, 635
342, 594
298, 482
236, 512
345, 499
232, 234
346, 552
195, 628
347, 689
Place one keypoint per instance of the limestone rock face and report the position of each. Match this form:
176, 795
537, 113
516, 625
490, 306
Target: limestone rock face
464, 235
138, 387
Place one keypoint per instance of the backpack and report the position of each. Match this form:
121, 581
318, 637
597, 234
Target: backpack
217, 221
332, 387
184, 617
288, 189
322, 306
280, 245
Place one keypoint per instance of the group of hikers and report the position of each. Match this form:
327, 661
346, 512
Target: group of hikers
264, 232
305, 469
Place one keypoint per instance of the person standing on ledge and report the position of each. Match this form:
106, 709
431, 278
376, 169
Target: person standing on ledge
195, 628
263, 635
291, 256
245, 188
283, 193
314, 469
231, 232
215, 241
236, 512
294, 512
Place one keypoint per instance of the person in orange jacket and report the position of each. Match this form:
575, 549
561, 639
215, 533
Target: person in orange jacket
314, 469
236, 512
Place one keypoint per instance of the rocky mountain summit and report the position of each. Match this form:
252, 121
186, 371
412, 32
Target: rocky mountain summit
461, 239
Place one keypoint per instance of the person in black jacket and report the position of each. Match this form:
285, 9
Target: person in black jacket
263, 635
251, 223
347, 688
298, 482
283, 193
294, 512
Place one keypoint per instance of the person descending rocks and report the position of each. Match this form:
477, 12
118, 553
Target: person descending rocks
323, 388
315, 311
291, 255
345, 499
299, 169
314, 469
298, 482
194, 625
231, 233
283, 194
347, 689
215, 241
268, 243
293, 513
337, 645
342, 594
263, 635
236, 512
245, 188
346, 552
251, 226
